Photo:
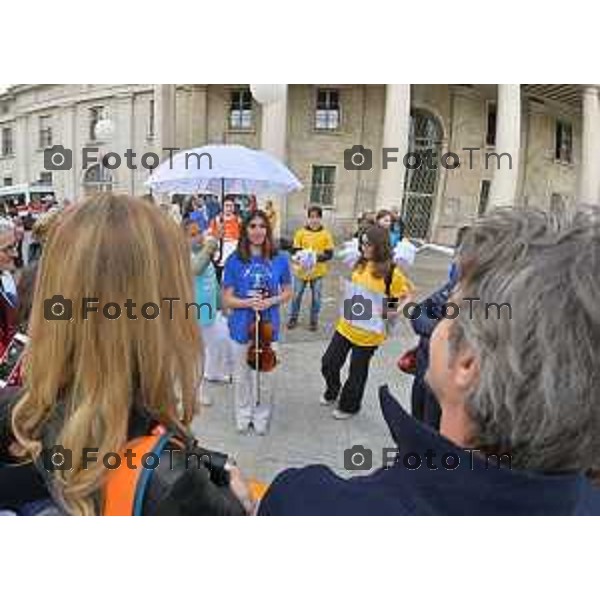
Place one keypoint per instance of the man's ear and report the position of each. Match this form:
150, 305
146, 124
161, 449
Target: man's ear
466, 369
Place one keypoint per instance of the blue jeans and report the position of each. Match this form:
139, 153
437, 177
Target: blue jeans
316, 285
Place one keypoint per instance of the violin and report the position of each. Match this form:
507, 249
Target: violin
261, 356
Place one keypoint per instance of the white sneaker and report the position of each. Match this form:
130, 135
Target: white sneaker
340, 415
324, 402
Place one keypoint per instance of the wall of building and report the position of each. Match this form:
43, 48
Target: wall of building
201, 117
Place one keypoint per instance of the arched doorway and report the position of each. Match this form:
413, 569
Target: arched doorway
421, 183
97, 179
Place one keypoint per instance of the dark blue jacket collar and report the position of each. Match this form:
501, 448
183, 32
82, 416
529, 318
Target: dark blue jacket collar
476, 487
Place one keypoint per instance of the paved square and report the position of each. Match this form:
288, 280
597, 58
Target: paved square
302, 431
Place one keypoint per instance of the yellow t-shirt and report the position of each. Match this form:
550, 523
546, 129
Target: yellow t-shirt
319, 241
400, 286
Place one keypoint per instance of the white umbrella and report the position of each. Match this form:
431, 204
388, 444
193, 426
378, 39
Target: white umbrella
221, 170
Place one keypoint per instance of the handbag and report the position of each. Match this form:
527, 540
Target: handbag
407, 362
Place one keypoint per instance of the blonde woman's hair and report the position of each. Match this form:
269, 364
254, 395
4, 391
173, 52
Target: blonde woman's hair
84, 377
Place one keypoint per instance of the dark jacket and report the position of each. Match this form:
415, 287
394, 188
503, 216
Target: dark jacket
424, 405
471, 489
174, 489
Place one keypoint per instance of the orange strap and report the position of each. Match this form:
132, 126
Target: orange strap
122, 484
257, 489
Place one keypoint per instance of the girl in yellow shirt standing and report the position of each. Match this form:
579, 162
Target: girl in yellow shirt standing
377, 291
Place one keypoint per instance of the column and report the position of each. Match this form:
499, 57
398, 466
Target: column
396, 131
164, 106
68, 183
273, 139
123, 140
503, 190
273, 134
589, 176
197, 116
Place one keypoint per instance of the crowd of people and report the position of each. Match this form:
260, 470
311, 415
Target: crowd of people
524, 387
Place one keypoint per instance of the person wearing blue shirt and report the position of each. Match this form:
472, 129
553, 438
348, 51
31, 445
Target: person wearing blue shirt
256, 281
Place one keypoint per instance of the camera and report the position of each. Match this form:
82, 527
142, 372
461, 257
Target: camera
358, 308
358, 158
358, 458
58, 158
57, 458
58, 308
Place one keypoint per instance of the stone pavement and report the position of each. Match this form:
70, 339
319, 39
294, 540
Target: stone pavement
302, 431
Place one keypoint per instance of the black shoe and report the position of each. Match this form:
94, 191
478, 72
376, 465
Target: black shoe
292, 324
313, 327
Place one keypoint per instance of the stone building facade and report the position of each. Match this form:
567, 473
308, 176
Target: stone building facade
549, 131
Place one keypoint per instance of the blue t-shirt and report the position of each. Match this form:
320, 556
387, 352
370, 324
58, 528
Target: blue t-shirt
248, 277
200, 217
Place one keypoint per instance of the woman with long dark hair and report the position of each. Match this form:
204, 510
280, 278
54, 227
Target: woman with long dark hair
377, 289
256, 282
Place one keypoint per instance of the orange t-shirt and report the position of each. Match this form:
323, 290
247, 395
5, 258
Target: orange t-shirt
231, 227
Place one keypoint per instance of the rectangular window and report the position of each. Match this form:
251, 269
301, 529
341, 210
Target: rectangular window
7, 181
45, 129
97, 114
46, 177
151, 120
327, 114
241, 110
322, 185
563, 147
490, 131
484, 196
7, 141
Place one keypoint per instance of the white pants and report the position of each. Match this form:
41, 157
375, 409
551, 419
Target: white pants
218, 356
250, 407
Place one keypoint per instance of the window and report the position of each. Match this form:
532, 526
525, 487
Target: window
4, 107
563, 148
151, 120
46, 177
241, 110
45, 140
322, 185
490, 130
484, 196
7, 181
7, 141
327, 115
97, 114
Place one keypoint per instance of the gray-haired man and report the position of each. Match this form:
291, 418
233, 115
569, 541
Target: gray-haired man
517, 376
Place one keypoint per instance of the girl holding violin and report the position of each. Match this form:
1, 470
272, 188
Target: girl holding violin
256, 281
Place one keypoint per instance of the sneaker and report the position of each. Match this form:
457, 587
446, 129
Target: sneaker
292, 324
313, 327
243, 428
340, 415
261, 429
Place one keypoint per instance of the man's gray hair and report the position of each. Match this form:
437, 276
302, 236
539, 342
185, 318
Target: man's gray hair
6, 225
538, 396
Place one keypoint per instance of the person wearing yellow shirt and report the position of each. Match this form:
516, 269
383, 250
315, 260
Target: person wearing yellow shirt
313, 248
377, 292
